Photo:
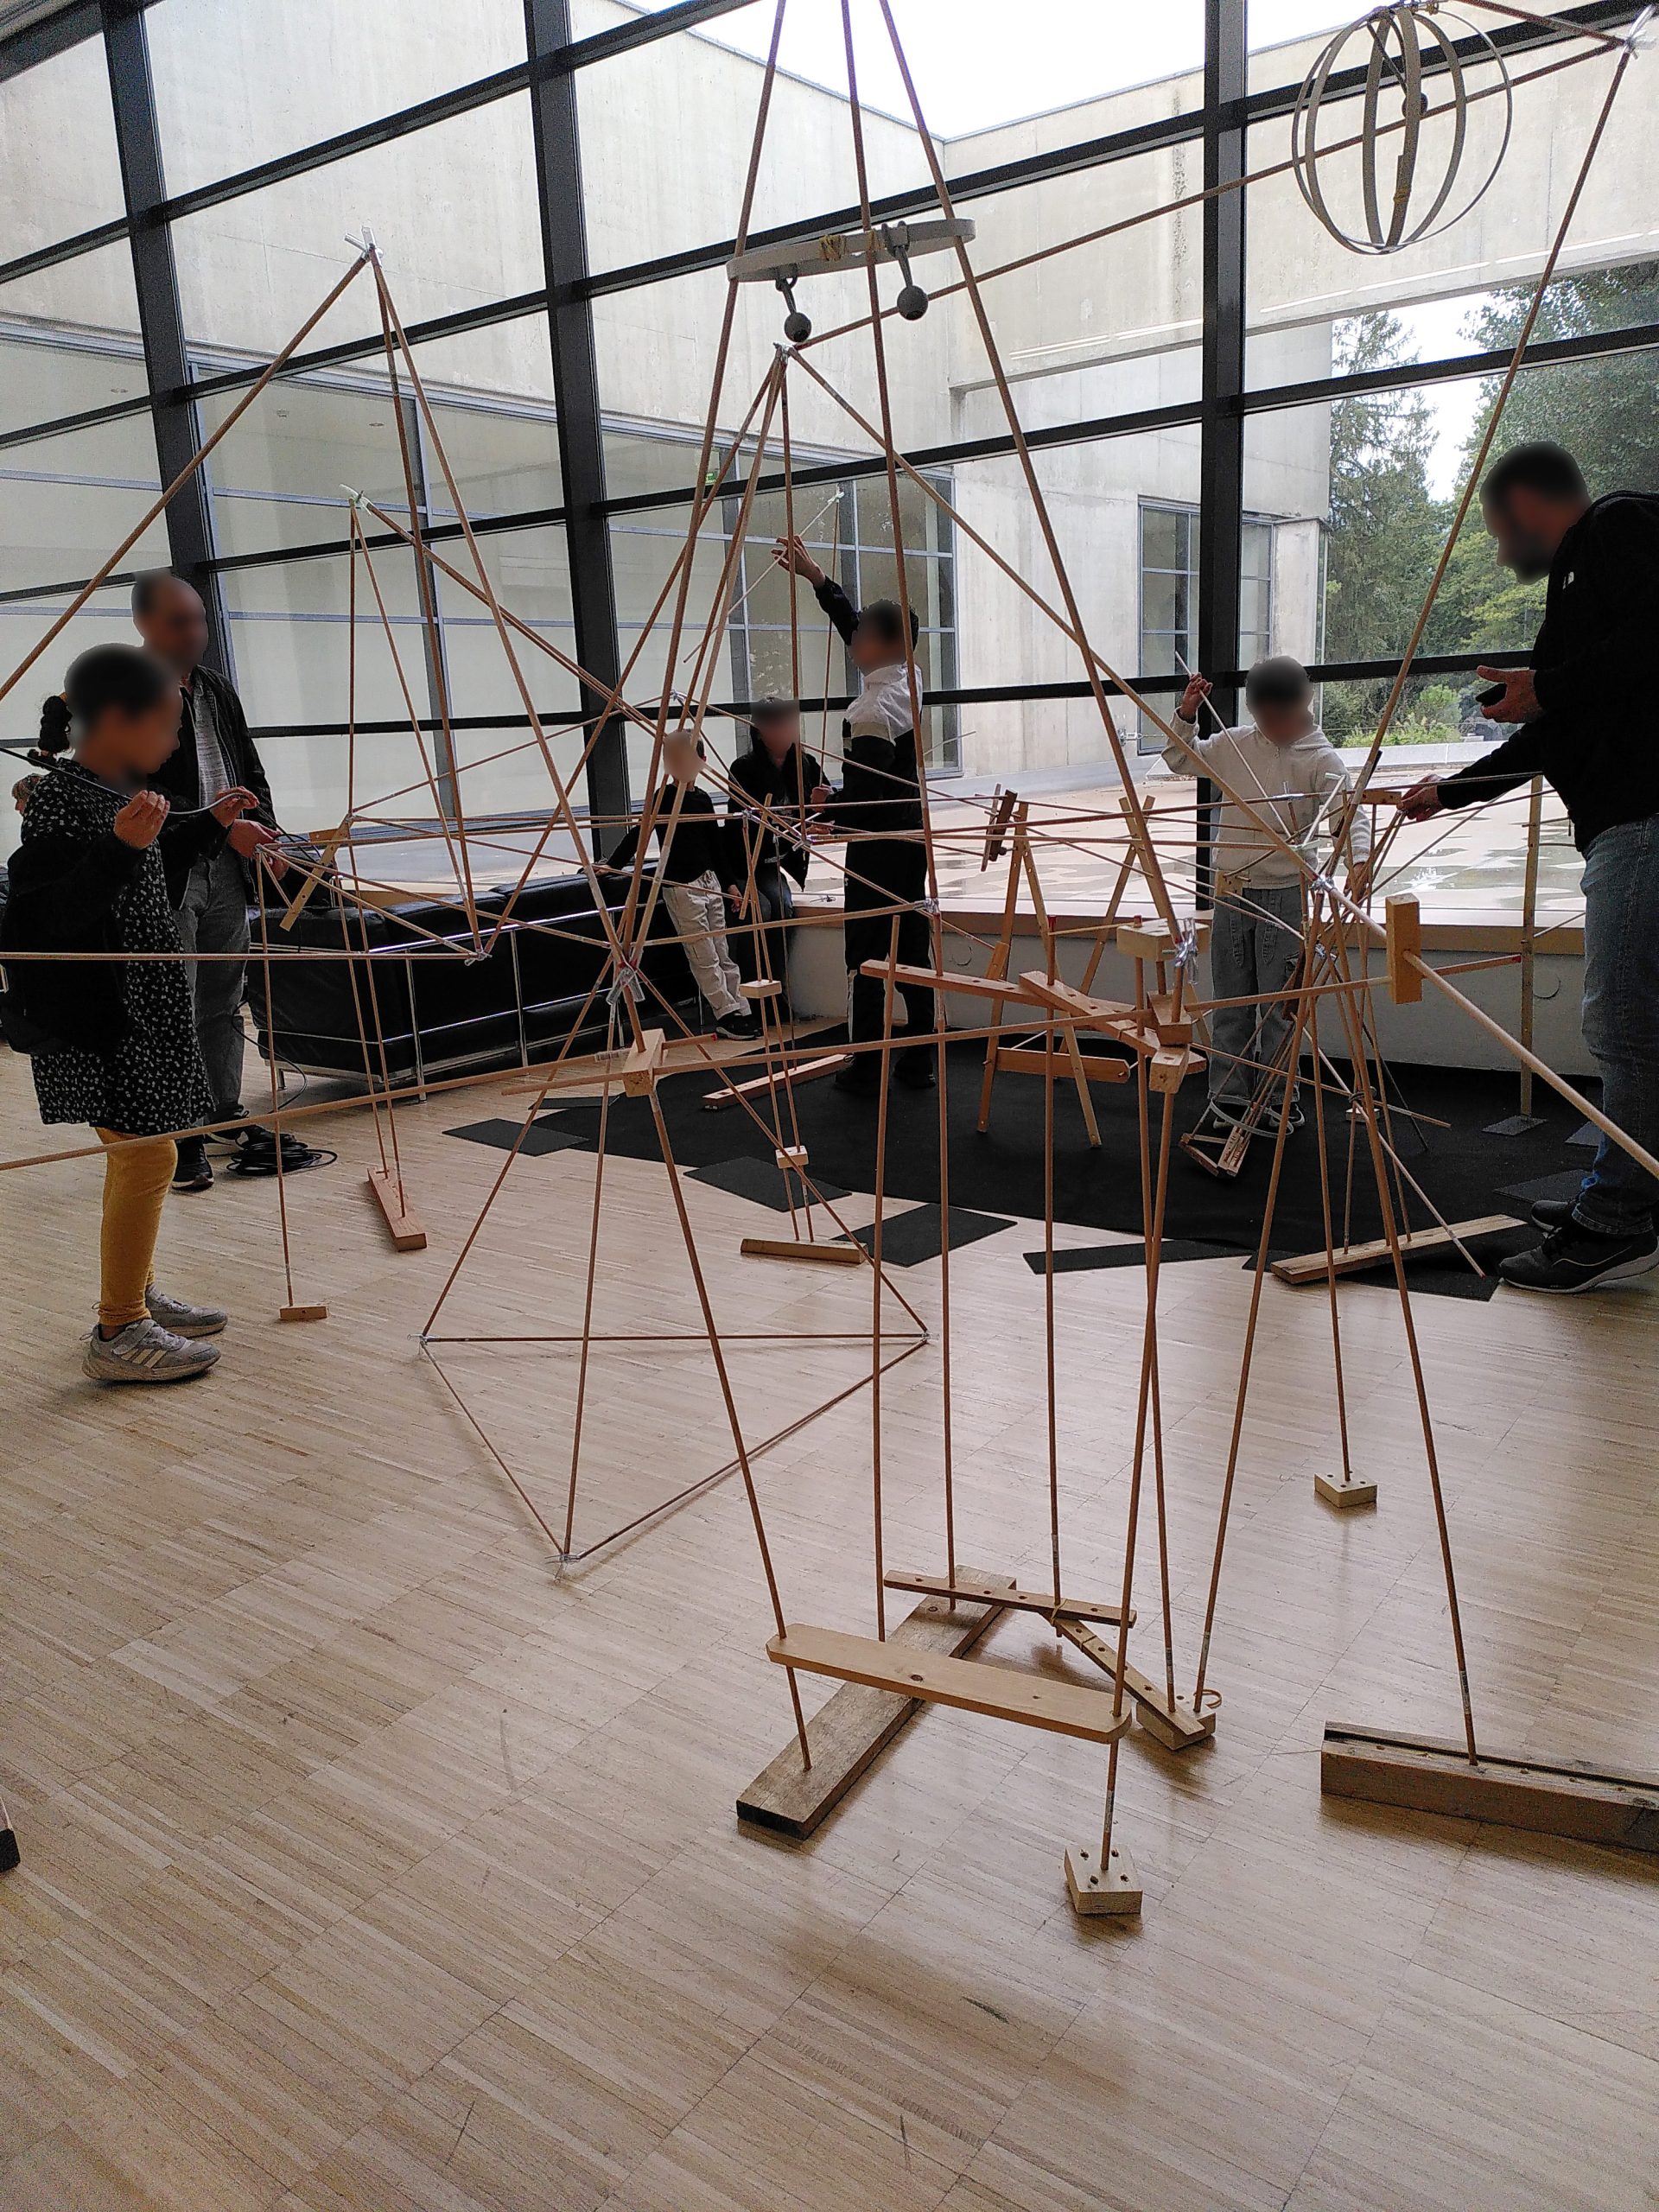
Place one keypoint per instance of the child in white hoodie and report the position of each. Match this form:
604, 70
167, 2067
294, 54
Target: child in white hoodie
1283, 765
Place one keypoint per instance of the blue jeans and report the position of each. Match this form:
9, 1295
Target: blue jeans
1621, 1020
213, 917
1256, 941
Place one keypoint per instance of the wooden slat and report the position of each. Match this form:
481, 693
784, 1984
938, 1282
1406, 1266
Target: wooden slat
1570, 1797
1031, 1059
855, 1725
406, 1232
970, 1685
798, 1248
933, 979
969, 1584
808, 1071
1404, 924
1178, 1731
1352, 1259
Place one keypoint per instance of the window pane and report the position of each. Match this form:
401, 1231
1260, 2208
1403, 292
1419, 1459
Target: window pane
69, 338
59, 173
235, 86
106, 620
453, 208
68, 502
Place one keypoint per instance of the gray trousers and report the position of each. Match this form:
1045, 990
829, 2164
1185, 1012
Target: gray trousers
1256, 941
213, 917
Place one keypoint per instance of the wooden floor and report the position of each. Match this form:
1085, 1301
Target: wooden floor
367, 1863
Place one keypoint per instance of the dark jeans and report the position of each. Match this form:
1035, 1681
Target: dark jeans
869, 993
1621, 1020
213, 917
775, 897
1256, 941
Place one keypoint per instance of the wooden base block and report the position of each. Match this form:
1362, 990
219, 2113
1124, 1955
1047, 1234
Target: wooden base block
792, 1247
857, 1724
1116, 1892
302, 1314
1344, 1492
406, 1232
1569, 1797
970, 1685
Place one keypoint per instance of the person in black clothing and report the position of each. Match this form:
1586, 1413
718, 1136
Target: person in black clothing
1589, 722
698, 879
879, 808
113, 1042
209, 892
776, 774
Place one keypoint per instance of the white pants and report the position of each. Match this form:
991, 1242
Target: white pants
698, 910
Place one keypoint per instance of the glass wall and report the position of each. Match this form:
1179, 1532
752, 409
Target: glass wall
1078, 159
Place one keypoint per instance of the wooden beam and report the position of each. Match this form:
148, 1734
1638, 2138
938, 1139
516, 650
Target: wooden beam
1352, 1259
296, 905
934, 979
1569, 1797
856, 1725
406, 1232
968, 1585
809, 1071
1032, 1060
798, 1248
970, 1685
1178, 1728
302, 1314
642, 1064
1403, 946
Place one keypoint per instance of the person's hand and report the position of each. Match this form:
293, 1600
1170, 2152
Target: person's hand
1519, 703
24, 790
820, 796
247, 838
139, 823
1422, 800
231, 805
791, 554
1198, 688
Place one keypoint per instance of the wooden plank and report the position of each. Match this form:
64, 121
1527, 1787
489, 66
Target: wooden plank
644, 1064
322, 867
969, 1685
809, 1071
1077, 1006
856, 1725
1176, 1730
1031, 1059
970, 1585
1569, 1797
995, 987
1404, 945
406, 1232
302, 1314
1351, 1259
796, 1248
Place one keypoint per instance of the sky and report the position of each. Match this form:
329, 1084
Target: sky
970, 74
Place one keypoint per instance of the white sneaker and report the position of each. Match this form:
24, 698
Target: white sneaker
145, 1352
180, 1318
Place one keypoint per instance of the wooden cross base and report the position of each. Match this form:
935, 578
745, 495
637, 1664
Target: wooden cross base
793, 1247
302, 1314
1177, 1728
1117, 1892
1344, 1492
1569, 1797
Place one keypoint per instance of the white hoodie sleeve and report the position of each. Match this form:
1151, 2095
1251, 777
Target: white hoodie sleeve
1184, 754
1331, 782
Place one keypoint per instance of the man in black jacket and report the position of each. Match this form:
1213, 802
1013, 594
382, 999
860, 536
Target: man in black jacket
777, 776
209, 895
1588, 722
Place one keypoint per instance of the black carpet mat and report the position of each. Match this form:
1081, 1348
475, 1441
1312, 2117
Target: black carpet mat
1465, 1171
542, 1137
760, 1180
909, 1238
1176, 1248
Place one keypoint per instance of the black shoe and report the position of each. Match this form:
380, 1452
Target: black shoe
738, 1028
1554, 1213
859, 1078
1571, 1258
191, 1173
917, 1074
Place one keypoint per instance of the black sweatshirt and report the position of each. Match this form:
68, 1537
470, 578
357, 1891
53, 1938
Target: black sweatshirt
782, 787
1598, 738
697, 842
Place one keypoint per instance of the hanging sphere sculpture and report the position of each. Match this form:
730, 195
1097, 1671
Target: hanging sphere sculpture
1413, 206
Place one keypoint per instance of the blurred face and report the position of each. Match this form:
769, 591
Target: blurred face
780, 732
869, 650
1527, 528
135, 745
1281, 724
174, 625
680, 758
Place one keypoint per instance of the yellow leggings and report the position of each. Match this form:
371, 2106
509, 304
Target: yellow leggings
136, 1174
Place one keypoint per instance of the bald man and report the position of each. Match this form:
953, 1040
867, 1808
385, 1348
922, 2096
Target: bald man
209, 897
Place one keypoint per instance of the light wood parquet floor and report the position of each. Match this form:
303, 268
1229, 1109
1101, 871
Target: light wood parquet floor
369, 1864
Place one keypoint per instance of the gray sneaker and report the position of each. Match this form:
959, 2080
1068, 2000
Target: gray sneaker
145, 1352
178, 1316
